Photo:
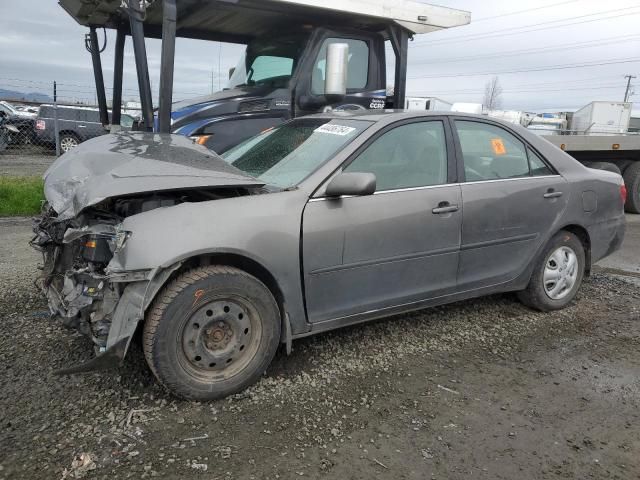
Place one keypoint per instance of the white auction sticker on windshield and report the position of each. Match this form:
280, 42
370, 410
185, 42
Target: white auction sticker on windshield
335, 129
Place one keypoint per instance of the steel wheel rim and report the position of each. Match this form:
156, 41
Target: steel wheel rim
219, 339
67, 143
560, 273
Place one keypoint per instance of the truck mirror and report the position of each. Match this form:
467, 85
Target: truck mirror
335, 82
231, 71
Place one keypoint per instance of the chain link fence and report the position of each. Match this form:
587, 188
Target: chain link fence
18, 130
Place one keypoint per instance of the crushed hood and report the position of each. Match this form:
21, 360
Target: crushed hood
128, 163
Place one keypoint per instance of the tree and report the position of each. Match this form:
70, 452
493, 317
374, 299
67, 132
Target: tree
492, 93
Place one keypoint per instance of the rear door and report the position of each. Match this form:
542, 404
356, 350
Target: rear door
511, 200
397, 246
89, 124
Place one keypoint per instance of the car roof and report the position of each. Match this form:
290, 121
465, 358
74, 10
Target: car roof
393, 115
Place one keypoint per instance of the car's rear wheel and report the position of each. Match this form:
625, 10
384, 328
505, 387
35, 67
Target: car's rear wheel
211, 333
557, 275
68, 141
632, 182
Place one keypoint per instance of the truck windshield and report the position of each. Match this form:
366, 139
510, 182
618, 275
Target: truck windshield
269, 62
286, 155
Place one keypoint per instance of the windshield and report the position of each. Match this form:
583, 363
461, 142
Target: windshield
286, 155
269, 62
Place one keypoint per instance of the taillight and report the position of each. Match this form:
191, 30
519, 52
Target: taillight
40, 125
623, 192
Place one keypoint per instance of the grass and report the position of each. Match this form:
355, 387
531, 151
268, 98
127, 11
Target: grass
20, 195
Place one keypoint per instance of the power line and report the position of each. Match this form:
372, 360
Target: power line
510, 53
515, 90
508, 31
482, 19
551, 67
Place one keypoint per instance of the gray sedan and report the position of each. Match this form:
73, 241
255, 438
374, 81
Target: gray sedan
325, 221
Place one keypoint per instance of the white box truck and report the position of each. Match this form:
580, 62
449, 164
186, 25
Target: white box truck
427, 103
602, 117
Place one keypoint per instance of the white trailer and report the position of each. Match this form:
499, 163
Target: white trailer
602, 117
427, 103
598, 137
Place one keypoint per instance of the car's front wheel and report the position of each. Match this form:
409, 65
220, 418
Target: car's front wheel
557, 275
211, 332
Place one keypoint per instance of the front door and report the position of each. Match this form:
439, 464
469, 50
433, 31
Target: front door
397, 246
511, 199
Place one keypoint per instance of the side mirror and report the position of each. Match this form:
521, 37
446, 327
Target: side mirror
335, 80
232, 70
352, 184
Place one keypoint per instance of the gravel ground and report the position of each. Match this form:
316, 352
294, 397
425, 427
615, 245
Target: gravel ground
19, 163
478, 389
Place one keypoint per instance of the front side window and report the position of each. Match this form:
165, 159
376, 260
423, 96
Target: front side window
490, 152
268, 62
411, 155
357, 70
286, 155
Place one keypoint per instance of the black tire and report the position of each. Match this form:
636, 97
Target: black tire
632, 182
188, 348
68, 141
535, 295
607, 166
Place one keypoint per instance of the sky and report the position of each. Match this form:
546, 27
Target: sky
549, 55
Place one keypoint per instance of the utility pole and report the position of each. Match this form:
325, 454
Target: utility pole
626, 92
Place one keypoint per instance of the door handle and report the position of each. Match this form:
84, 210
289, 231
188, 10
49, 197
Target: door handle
552, 194
445, 207
82, 126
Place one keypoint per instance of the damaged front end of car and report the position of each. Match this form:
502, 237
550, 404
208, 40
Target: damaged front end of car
81, 291
89, 192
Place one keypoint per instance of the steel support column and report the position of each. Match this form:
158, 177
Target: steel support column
118, 66
97, 73
169, 14
142, 68
400, 44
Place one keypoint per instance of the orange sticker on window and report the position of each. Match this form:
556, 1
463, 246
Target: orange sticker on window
498, 146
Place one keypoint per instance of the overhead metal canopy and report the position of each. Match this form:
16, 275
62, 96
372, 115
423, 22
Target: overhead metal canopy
239, 21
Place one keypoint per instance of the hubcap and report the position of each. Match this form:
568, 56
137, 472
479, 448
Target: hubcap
221, 337
560, 273
67, 143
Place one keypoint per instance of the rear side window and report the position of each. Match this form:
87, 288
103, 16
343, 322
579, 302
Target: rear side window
357, 70
538, 167
411, 155
490, 152
67, 114
91, 116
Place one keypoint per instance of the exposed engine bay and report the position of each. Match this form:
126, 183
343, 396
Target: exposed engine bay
81, 290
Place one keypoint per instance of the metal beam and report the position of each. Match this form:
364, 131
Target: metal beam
97, 73
169, 14
142, 68
400, 44
118, 66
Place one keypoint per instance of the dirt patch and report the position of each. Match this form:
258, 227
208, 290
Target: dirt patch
478, 389
25, 164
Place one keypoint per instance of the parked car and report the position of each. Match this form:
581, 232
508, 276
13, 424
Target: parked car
322, 222
17, 110
22, 121
75, 124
